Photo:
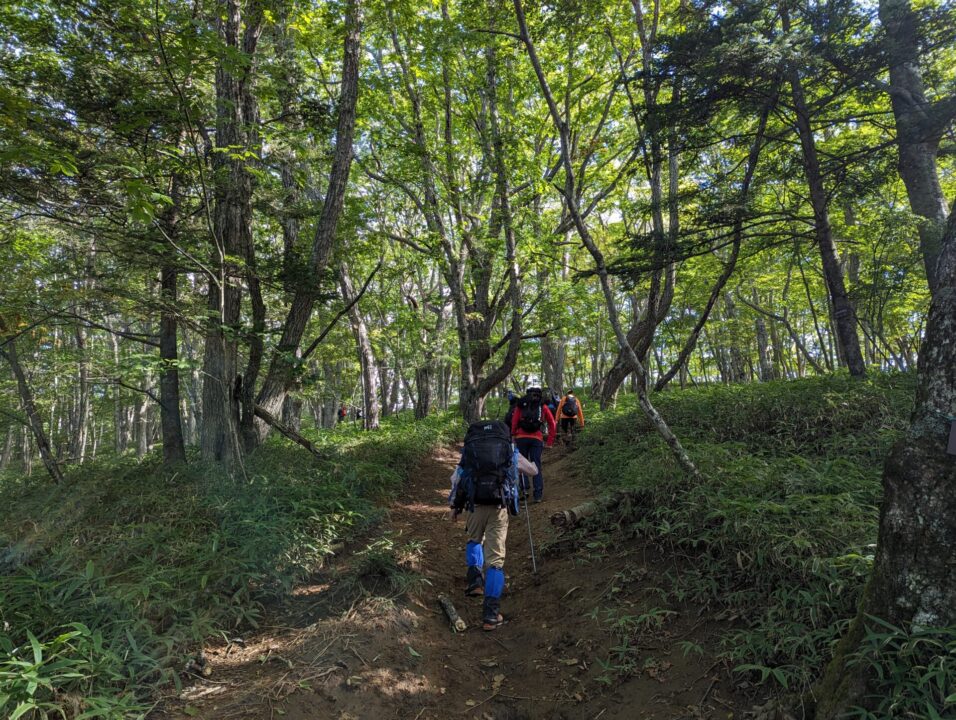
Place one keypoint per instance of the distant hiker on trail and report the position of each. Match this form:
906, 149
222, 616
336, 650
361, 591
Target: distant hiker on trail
343, 413
526, 425
570, 417
485, 484
552, 400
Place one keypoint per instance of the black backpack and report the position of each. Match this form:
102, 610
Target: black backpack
530, 409
485, 461
570, 407
509, 415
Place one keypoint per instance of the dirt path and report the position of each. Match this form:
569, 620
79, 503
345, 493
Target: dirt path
383, 659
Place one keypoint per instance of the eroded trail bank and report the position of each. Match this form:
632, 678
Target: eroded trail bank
381, 657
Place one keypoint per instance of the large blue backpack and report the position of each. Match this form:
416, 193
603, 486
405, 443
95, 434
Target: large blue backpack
488, 471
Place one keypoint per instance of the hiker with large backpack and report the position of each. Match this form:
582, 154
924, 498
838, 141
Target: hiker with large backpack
485, 484
530, 417
570, 417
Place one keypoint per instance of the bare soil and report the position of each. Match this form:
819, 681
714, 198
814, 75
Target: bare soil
383, 658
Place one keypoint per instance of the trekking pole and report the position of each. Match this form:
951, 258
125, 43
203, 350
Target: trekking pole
534, 564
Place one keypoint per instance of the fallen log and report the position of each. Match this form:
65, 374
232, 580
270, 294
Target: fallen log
457, 624
566, 519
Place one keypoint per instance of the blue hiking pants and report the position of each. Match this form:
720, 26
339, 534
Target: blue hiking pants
531, 448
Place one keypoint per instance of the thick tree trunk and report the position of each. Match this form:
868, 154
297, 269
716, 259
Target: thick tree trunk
423, 390
174, 446
919, 126
232, 230
844, 314
913, 584
9, 351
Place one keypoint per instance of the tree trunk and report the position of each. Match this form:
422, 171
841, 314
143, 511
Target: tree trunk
174, 446
119, 412
370, 378
919, 126
141, 424
282, 370
27, 452
763, 345
232, 233
9, 351
844, 314
423, 390
7, 449
561, 126
912, 584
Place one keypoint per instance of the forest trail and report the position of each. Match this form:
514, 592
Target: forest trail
381, 659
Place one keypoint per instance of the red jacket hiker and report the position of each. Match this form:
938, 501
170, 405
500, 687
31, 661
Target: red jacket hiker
546, 416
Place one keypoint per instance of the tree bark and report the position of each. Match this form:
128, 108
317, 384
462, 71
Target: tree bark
9, 350
423, 390
81, 424
919, 127
370, 378
844, 314
174, 446
912, 584
282, 369
763, 344
232, 230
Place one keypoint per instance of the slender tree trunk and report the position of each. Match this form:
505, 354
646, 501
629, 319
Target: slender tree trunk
763, 344
81, 426
370, 378
563, 130
7, 449
844, 314
282, 371
27, 452
9, 351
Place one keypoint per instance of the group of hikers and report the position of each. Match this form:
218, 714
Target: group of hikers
492, 477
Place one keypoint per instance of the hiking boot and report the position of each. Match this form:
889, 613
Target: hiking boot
491, 618
476, 583
489, 625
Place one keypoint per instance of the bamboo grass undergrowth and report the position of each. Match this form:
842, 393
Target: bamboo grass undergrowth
111, 579
779, 538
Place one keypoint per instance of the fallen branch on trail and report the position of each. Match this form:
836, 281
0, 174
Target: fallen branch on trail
567, 519
457, 624
284, 429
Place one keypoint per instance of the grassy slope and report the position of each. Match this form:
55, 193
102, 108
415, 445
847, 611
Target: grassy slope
780, 535
108, 580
